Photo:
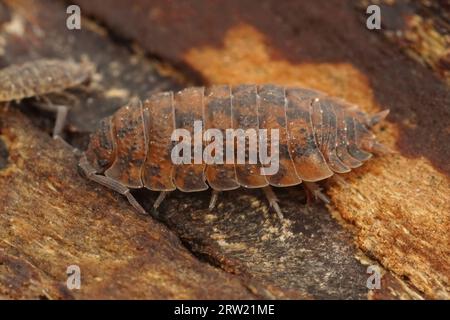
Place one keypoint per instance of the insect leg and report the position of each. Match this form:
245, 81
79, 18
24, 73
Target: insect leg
316, 191
273, 201
90, 173
213, 201
341, 181
61, 115
160, 199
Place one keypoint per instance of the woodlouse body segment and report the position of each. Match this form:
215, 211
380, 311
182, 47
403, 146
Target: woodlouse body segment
329, 135
309, 162
272, 115
318, 136
100, 152
158, 170
352, 147
41, 77
245, 117
130, 146
217, 115
342, 141
188, 109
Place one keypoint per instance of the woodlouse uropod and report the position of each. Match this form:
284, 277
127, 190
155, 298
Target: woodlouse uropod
318, 136
41, 77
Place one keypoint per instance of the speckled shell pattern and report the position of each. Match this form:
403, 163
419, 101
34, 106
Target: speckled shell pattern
40, 77
318, 136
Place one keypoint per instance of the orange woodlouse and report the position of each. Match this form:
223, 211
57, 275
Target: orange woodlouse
41, 77
318, 136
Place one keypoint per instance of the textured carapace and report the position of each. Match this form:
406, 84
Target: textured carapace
41, 77
318, 136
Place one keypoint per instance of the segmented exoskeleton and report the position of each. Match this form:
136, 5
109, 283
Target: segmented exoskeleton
41, 77
318, 136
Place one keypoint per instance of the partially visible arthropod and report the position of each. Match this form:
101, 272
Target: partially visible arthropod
318, 136
41, 77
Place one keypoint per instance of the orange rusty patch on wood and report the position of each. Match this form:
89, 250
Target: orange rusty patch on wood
247, 58
401, 209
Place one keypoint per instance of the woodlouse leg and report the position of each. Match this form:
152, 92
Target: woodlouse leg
162, 195
273, 201
213, 201
61, 116
91, 174
309, 197
338, 179
316, 191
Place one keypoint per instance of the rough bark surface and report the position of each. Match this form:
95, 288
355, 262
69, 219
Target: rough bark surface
52, 218
393, 212
421, 28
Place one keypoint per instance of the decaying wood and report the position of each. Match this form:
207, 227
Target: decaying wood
394, 212
120, 254
398, 207
421, 28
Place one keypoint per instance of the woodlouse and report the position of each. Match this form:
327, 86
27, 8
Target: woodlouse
319, 136
41, 77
